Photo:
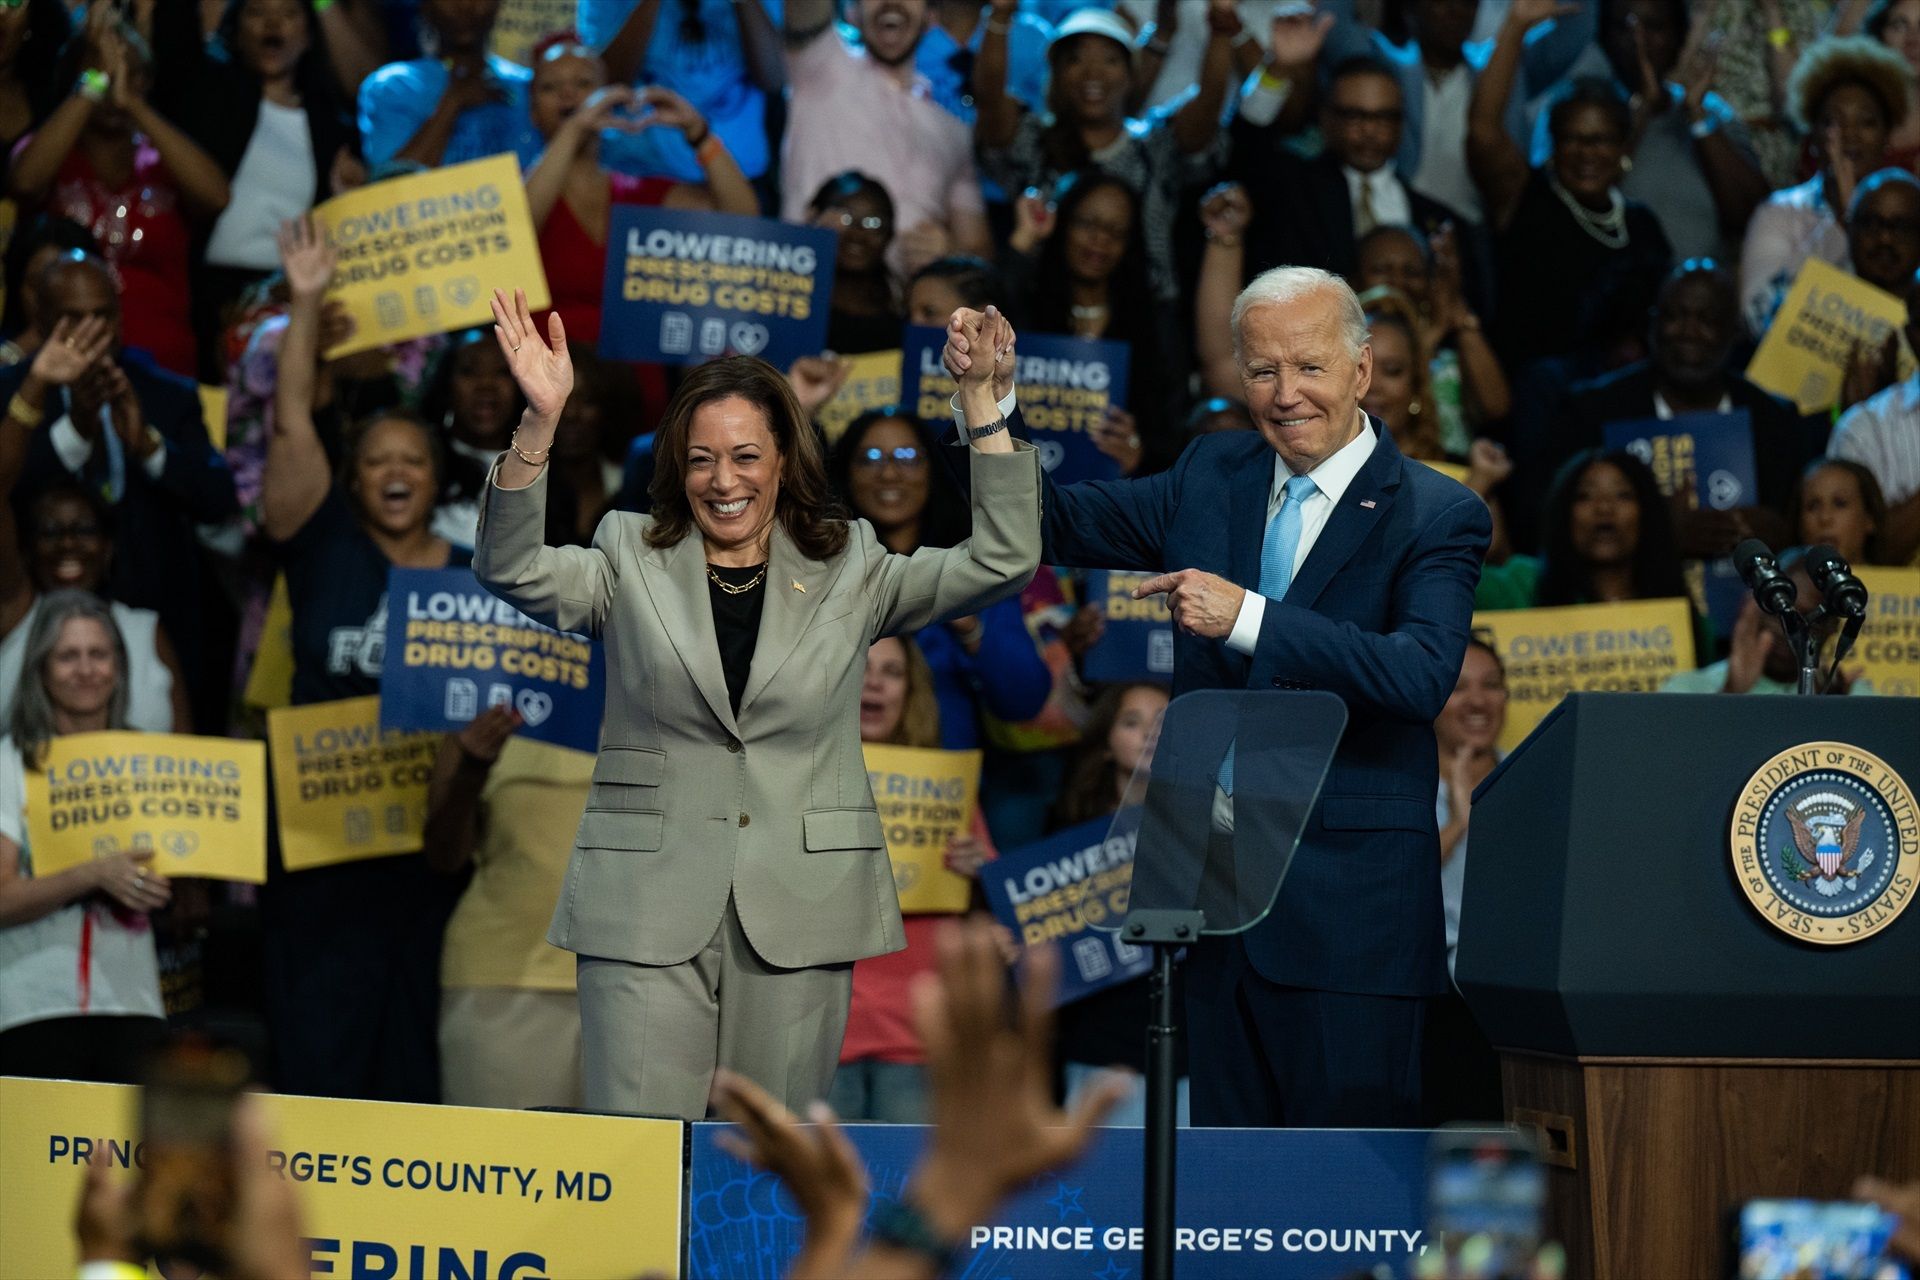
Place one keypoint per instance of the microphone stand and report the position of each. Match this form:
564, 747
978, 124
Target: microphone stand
1803, 634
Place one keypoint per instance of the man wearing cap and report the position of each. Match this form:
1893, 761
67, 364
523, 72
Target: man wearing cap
869, 109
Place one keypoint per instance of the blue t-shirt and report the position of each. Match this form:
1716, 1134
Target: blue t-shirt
941, 61
397, 99
710, 73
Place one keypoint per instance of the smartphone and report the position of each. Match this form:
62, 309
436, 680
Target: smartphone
1816, 1240
1487, 1184
183, 1202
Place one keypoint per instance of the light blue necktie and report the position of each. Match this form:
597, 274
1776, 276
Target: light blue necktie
1277, 551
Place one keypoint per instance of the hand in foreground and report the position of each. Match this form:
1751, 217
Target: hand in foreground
307, 256
1201, 603
819, 1167
542, 368
1296, 37
73, 347
990, 1081
485, 736
1118, 436
103, 1225
1903, 1201
1225, 212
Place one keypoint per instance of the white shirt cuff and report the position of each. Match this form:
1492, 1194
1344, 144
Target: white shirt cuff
1006, 407
157, 460
69, 445
1245, 636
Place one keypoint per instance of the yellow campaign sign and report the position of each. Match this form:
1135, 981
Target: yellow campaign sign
344, 790
270, 681
523, 22
873, 382
422, 254
1451, 470
200, 804
1827, 313
1630, 647
1888, 647
925, 798
213, 409
384, 1188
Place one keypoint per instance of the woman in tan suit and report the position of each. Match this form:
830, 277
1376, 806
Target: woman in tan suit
730, 866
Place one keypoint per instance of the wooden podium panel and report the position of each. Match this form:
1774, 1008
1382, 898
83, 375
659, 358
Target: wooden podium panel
1649, 1159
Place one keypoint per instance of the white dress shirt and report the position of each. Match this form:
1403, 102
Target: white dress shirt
1391, 208
1331, 480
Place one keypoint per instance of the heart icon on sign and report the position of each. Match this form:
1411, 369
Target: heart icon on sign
534, 705
747, 339
462, 292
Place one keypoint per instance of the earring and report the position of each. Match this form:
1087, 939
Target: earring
1413, 408
1626, 164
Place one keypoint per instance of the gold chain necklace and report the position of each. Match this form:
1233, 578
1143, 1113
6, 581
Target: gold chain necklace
743, 587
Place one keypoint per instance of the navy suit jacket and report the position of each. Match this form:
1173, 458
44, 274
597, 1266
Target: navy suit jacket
1379, 615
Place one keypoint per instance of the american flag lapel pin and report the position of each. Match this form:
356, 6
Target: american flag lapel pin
1367, 503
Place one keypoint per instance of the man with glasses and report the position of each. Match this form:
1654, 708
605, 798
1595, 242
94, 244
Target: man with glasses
1312, 213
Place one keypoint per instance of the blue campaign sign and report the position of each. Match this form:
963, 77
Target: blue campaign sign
1711, 456
1136, 642
684, 286
454, 649
1055, 892
1064, 384
1253, 1204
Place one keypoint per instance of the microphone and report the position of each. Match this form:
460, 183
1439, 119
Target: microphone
1773, 589
1845, 594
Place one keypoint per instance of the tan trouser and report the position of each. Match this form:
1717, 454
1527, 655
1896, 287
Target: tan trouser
651, 1036
503, 1047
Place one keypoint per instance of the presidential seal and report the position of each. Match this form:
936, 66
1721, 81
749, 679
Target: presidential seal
1826, 843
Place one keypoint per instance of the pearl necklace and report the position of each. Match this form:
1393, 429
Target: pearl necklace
1609, 228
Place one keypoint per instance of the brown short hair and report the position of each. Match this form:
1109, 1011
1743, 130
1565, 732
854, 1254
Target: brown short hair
1827, 64
806, 508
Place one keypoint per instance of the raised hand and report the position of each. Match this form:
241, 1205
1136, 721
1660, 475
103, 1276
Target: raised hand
126, 878
1841, 166
965, 855
817, 379
486, 734
1296, 38
995, 1125
1696, 72
1488, 466
1118, 436
73, 347
674, 111
1525, 15
1033, 221
609, 107
817, 1164
542, 368
1225, 212
123, 409
307, 256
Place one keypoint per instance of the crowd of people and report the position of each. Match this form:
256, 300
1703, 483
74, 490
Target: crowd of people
1558, 216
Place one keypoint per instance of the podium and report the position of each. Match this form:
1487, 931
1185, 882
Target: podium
1663, 1021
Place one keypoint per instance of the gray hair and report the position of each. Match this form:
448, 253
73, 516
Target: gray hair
31, 723
1290, 284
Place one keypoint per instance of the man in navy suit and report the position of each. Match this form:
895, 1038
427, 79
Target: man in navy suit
1339, 565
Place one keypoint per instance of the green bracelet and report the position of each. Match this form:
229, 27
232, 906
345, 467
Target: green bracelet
321, 6
92, 84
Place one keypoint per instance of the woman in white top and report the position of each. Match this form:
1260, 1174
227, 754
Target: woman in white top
68, 546
79, 982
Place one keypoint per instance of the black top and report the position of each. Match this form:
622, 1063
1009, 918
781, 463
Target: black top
1557, 282
736, 622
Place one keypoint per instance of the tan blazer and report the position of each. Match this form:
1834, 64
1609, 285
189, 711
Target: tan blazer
686, 802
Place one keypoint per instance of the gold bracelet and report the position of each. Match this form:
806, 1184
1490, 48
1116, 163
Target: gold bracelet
23, 413
537, 459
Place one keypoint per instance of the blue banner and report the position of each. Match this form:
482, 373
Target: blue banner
1252, 1204
1709, 455
1056, 891
685, 286
1064, 386
1136, 641
454, 649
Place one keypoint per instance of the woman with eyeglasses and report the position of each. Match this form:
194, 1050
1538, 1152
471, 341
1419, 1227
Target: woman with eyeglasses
1565, 233
864, 313
883, 469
